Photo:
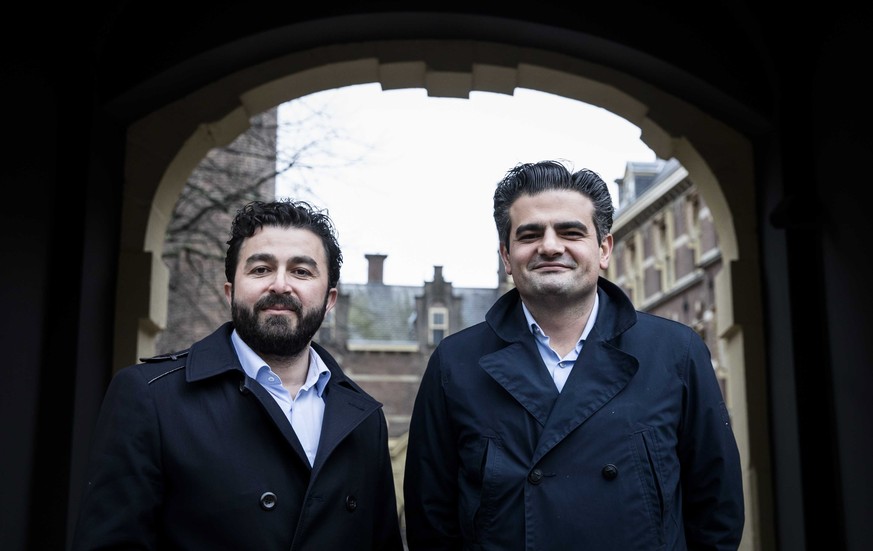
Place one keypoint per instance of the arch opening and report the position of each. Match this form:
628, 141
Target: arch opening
166, 146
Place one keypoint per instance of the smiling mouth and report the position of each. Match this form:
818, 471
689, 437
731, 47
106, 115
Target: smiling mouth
551, 267
276, 305
277, 310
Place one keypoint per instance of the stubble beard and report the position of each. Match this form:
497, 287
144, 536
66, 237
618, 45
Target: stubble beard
561, 291
276, 335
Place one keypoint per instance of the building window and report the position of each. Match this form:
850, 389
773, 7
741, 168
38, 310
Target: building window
664, 261
437, 324
692, 224
634, 271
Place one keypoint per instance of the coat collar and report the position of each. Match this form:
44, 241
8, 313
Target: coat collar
346, 404
617, 314
214, 355
603, 371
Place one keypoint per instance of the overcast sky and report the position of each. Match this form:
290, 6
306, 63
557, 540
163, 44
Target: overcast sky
422, 195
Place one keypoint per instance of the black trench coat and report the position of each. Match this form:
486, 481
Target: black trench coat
190, 453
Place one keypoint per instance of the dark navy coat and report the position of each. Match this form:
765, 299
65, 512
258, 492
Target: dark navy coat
636, 453
190, 453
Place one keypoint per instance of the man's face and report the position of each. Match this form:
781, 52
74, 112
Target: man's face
554, 253
279, 296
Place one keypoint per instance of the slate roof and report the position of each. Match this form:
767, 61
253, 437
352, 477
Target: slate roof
381, 312
387, 313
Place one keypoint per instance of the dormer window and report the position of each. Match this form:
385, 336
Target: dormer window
437, 325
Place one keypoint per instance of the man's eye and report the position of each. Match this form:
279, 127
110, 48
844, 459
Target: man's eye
260, 270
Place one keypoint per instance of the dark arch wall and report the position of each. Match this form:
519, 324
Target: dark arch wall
164, 155
725, 90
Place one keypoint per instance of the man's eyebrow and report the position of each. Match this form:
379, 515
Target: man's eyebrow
260, 257
569, 225
304, 259
528, 227
267, 257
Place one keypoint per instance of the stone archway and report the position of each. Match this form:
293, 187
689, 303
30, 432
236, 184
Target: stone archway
166, 145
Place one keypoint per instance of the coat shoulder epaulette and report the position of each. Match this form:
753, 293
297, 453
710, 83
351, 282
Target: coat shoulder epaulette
172, 356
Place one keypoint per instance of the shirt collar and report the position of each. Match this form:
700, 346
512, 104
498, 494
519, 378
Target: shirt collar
318, 373
535, 327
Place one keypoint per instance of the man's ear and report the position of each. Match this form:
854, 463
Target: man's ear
504, 256
332, 296
605, 251
228, 292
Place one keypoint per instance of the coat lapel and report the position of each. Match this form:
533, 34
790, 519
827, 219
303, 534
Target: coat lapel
601, 372
519, 369
344, 409
277, 415
214, 356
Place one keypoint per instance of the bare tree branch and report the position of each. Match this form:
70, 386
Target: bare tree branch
226, 179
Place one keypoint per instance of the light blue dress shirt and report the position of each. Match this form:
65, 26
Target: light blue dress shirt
304, 411
559, 368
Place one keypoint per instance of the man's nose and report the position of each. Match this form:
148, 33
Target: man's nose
282, 283
551, 244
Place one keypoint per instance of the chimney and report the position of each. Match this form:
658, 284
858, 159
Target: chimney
376, 264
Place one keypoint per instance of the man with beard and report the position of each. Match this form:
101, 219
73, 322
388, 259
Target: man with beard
253, 438
567, 419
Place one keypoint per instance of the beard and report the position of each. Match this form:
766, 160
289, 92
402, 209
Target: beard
276, 335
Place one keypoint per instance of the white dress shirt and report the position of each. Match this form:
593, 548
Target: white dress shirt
304, 411
559, 368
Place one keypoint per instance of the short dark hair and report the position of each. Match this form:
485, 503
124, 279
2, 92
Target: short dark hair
534, 178
284, 213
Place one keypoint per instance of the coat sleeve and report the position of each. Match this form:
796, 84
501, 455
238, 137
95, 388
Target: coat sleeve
123, 487
712, 486
431, 472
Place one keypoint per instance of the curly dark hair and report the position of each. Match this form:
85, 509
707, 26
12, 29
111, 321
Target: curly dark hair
284, 213
534, 178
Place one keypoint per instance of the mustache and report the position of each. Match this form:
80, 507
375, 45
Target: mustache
283, 301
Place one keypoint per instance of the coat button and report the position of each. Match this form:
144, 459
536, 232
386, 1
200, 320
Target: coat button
268, 501
535, 476
351, 503
609, 471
